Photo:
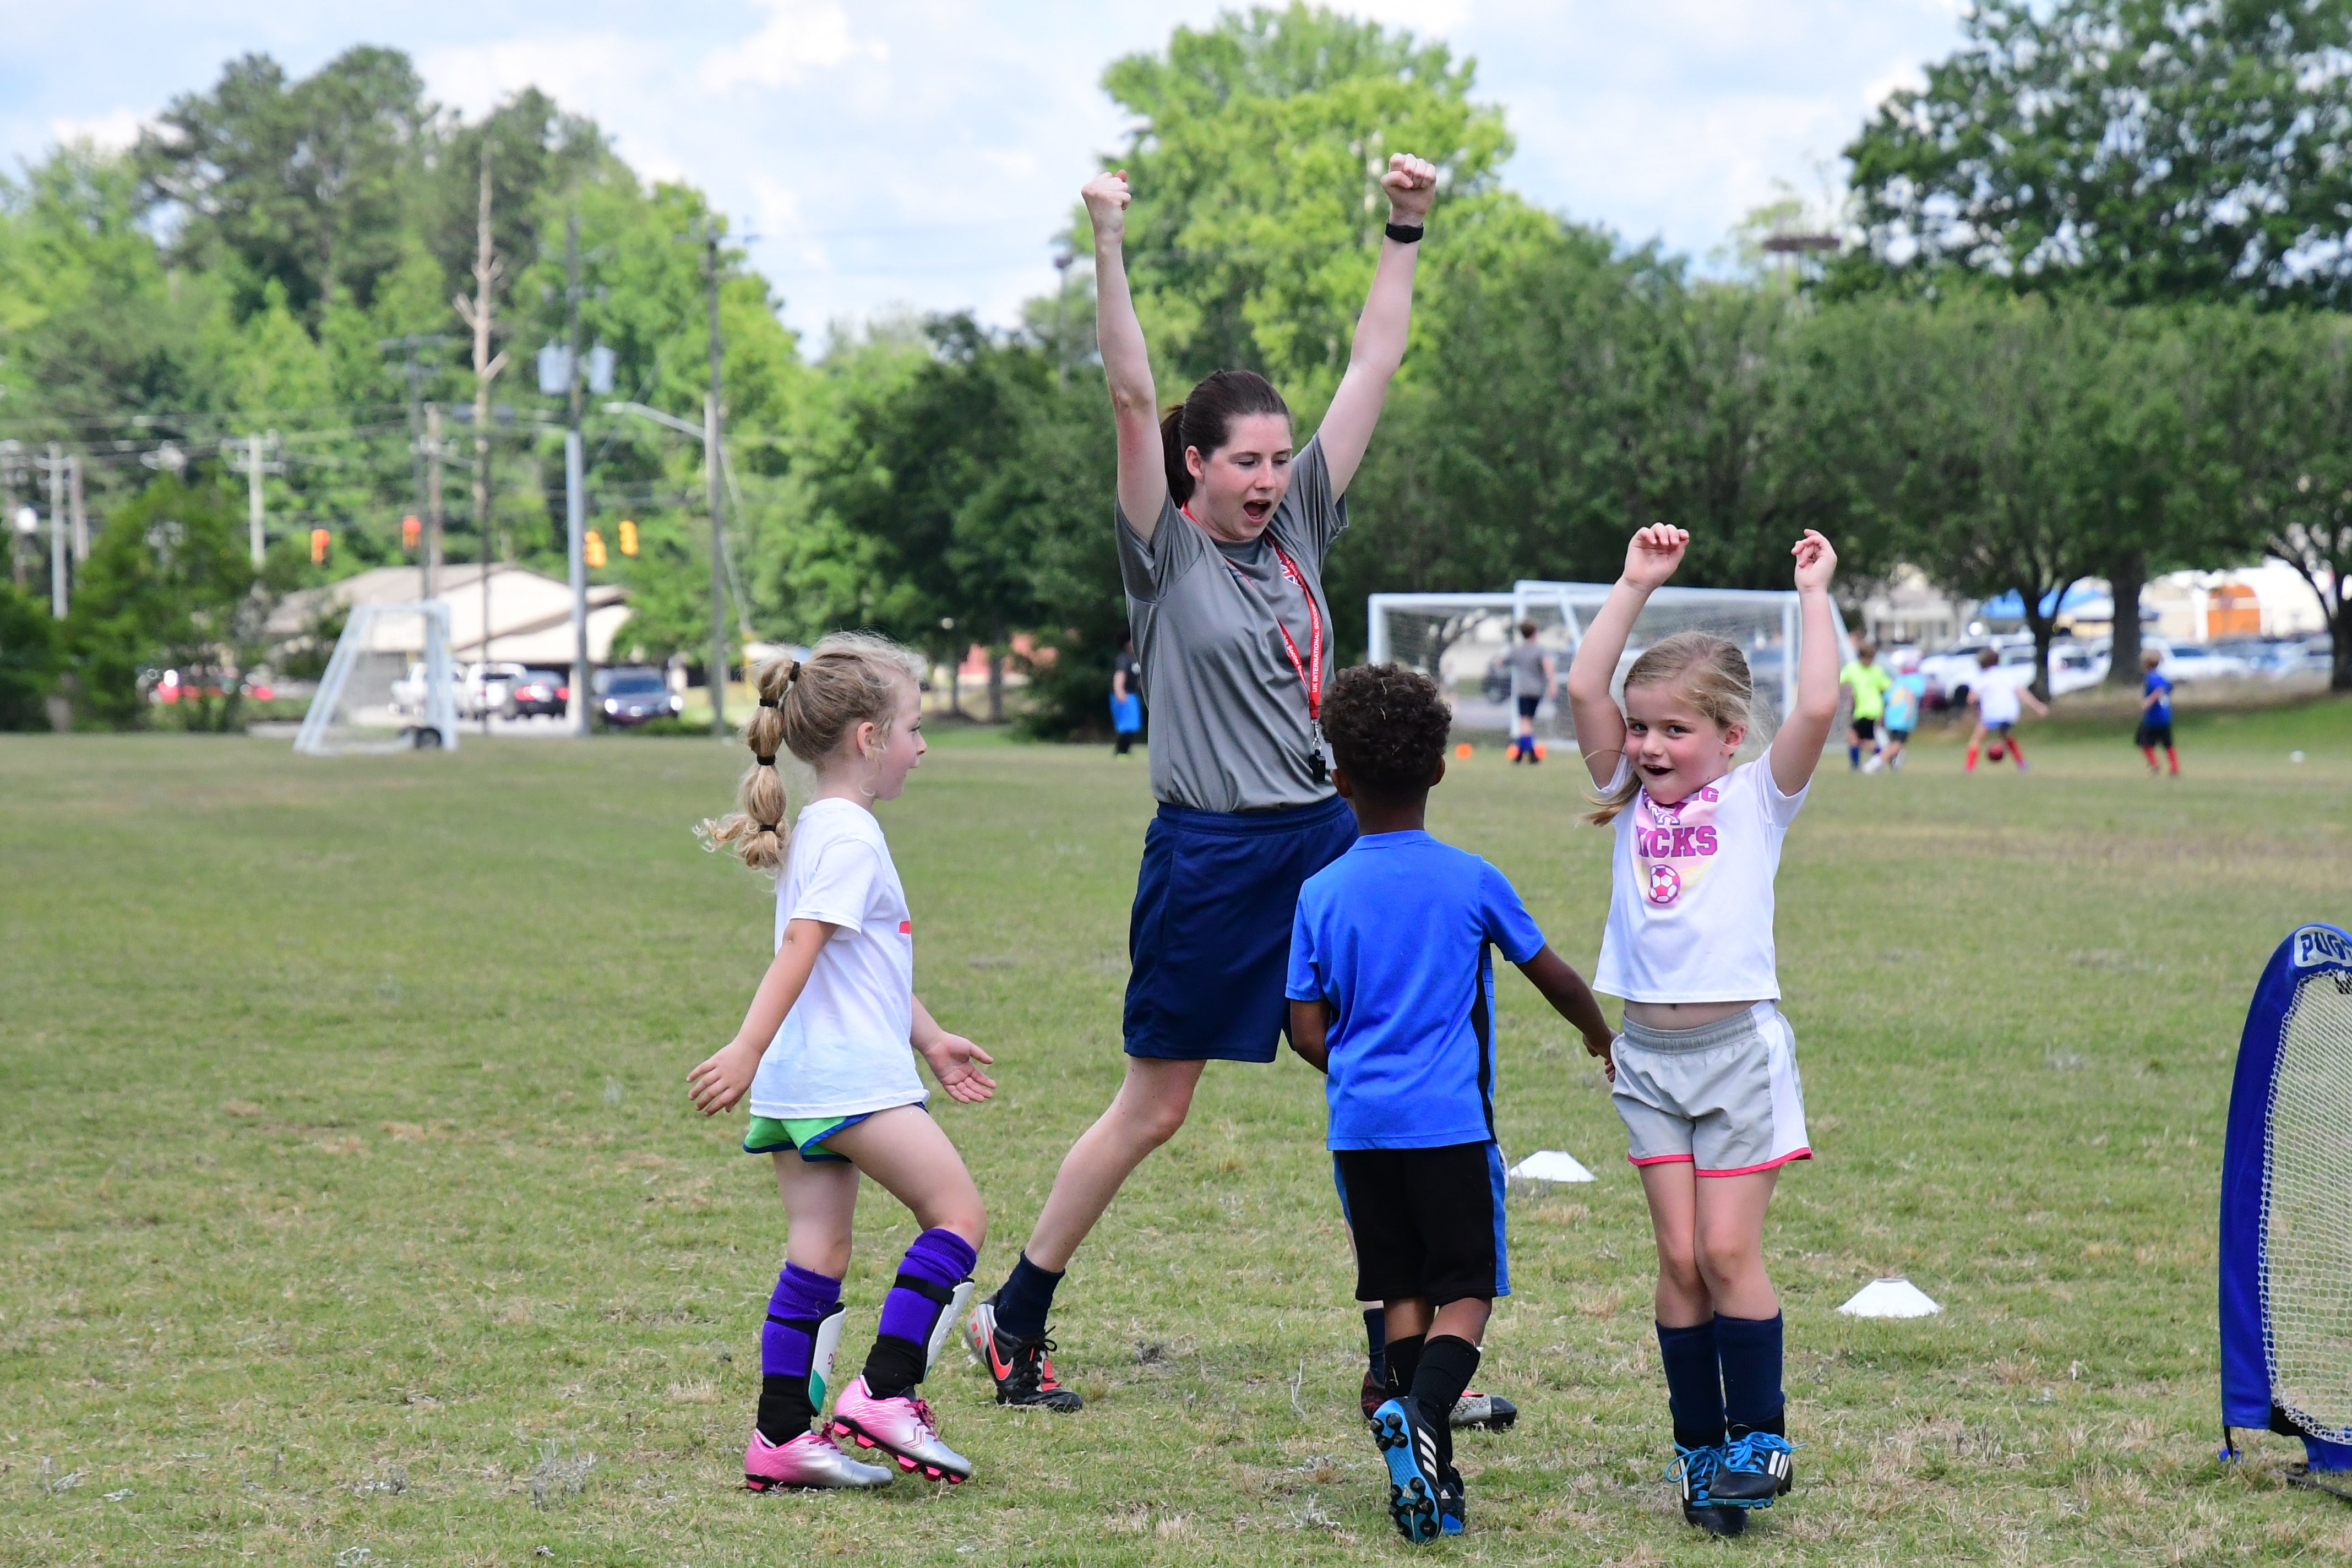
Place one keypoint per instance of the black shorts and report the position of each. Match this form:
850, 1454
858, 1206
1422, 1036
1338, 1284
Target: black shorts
1428, 1222
1867, 728
1528, 706
2151, 734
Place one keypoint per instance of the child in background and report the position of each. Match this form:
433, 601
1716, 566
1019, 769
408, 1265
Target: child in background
1392, 994
1706, 1069
1869, 683
824, 1055
1904, 700
2155, 714
1996, 698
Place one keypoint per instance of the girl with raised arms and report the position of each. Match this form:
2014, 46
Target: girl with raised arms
1706, 1070
824, 1055
1223, 525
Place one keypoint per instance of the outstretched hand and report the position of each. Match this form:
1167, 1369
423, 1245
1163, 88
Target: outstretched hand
1816, 563
953, 1060
1411, 185
1653, 553
1107, 196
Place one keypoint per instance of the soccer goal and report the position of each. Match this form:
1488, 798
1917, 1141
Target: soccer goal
1456, 637
2286, 1209
388, 686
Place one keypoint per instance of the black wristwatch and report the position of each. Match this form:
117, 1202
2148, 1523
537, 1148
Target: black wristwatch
1405, 233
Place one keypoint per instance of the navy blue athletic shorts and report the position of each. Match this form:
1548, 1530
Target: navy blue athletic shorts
1209, 942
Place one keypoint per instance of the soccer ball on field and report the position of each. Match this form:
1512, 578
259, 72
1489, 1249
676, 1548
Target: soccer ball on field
1998, 752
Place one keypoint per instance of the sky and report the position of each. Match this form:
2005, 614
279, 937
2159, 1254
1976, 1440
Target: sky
927, 153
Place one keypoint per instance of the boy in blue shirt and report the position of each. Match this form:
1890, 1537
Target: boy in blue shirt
2155, 714
1392, 995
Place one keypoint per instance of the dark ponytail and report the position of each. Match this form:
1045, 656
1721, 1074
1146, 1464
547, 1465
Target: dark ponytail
1205, 420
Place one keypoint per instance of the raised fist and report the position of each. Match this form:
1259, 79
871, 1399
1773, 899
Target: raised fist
1107, 196
1411, 185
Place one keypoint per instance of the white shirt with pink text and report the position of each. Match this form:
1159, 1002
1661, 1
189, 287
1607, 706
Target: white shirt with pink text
1690, 896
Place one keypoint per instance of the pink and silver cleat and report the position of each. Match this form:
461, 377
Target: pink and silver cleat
903, 1428
811, 1460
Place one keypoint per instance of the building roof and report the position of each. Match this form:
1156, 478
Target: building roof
529, 612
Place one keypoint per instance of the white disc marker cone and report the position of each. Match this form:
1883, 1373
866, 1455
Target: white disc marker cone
1894, 1296
1550, 1165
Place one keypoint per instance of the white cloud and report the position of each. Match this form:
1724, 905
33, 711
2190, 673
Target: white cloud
801, 35
113, 131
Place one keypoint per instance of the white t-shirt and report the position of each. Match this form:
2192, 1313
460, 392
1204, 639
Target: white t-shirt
1996, 692
844, 1047
1690, 897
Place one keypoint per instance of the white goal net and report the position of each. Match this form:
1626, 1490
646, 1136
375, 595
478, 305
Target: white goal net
1459, 641
2306, 1276
388, 687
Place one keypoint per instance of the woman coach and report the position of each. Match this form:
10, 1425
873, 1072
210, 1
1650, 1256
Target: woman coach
1223, 529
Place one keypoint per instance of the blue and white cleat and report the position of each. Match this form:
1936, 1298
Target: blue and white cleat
1409, 1449
1755, 1470
1694, 1472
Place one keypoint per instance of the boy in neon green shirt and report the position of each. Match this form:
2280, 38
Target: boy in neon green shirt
1869, 683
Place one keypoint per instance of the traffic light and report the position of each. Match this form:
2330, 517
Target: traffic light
319, 541
628, 537
595, 549
410, 530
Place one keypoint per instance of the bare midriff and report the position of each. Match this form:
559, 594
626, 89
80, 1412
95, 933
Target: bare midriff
1682, 1015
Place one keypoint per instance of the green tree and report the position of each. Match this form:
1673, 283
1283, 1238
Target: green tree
1255, 164
167, 586
28, 660
2145, 150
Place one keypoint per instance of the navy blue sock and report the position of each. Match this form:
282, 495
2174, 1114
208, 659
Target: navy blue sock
1376, 1340
1027, 1296
1693, 1383
1749, 1350
1853, 756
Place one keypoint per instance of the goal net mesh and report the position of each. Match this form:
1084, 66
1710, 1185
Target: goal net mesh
1460, 639
2306, 1276
387, 687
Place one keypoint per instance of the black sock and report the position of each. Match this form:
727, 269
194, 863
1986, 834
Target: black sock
893, 1366
1693, 1383
1376, 1340
1749, 1351
785, 1412
1404, 1364
1447, 1365
1027, 1296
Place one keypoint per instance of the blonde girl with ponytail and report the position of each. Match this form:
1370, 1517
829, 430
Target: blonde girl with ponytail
826, 1056
1704, 1074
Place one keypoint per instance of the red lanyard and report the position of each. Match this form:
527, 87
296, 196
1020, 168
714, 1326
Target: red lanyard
1311, 672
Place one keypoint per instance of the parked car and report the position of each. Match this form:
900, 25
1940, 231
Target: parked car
1951, 670
2196, 661
482, 690
408, 691
635, 693
538, 693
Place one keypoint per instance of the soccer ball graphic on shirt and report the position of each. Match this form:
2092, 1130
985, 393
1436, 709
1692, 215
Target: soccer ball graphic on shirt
1665, 884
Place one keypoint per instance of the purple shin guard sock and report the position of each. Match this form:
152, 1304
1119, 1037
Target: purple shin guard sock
934, 1266
804, 1298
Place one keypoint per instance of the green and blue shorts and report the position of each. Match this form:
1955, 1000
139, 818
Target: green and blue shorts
773, 1135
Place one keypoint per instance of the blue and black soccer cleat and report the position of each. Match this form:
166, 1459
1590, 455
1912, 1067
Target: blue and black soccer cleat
1694, 1472
1453, 1505
1756, 1468
1409, 1449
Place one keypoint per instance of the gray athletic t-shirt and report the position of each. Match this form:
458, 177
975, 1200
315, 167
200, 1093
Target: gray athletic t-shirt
1525, 662
1230, 729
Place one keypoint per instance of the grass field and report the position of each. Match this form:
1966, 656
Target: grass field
352, 1211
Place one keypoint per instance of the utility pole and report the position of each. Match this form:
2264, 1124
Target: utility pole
575, 482
12, 460
80, 513
250, 455
710, 461
435, 504
56, 463
422, 447
477, 314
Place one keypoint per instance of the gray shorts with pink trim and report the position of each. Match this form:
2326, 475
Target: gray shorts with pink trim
1723, 1097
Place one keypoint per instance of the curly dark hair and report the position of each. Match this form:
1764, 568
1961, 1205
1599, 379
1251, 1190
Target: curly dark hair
1388, 728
